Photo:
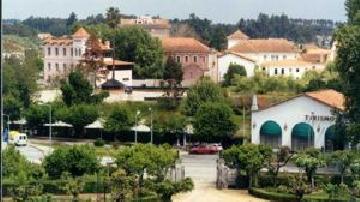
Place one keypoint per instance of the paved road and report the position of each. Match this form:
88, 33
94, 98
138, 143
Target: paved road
202, 169
31, 153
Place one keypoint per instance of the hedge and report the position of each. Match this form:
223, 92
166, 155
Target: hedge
286, 197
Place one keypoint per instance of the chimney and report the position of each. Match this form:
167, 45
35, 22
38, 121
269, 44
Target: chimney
255, 105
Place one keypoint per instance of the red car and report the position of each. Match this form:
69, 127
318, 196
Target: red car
203, 149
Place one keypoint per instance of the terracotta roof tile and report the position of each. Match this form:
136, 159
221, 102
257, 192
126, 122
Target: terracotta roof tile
81, 32
264, 46
238, 35
329, 97
286, 63
183, 45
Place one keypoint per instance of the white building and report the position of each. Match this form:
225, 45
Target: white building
234, 38
301, 122
289, 68
227, 59
263, 50
62, 54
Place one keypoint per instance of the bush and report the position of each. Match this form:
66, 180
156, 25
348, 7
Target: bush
336, 191
99, 142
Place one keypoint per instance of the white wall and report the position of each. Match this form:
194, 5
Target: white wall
291, 113
225, 61
124, 76
232, 43
262, 57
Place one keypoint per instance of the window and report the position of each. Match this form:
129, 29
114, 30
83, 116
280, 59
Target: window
282, 71
276, 71
273, 57
125, 79
290, 70
49, 51
49, 66
64, 67
195, 58
284, 57
214, 63
76, 51
64, 51
265, 57
297, 70
72, 52
79, 52
57, 67
49, 79
178, 58
56, 51
186, 58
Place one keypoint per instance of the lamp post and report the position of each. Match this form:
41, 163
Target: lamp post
50, 129
8, 120
151, 126
136, 124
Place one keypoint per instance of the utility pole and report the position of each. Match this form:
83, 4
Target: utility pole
151, 126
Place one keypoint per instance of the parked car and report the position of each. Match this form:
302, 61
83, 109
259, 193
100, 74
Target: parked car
203, 149
218, 146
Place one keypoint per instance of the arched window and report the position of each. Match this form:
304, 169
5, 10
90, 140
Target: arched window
330, 138
302, 136
270, 134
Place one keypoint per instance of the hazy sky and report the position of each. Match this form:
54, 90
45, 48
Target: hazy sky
228, 11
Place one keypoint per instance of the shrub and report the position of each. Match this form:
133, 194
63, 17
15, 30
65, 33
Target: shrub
99, 142
337, 191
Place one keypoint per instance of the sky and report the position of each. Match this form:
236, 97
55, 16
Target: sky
222, 11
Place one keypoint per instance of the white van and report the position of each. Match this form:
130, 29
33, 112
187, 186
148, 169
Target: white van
17, 138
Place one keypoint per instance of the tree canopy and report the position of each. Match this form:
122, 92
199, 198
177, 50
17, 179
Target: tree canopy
76, 160
135, 44
233, 69
203, 91
173, 70
213, 122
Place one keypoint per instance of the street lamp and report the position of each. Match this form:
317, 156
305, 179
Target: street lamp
151, 126
8, 120
49, 105
136, 124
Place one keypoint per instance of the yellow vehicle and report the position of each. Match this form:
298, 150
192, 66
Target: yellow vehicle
17, 138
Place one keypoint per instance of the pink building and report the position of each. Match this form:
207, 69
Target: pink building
197, 59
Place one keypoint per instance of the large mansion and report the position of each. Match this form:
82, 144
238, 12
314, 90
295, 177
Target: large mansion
157, 27
63, 54
197, 59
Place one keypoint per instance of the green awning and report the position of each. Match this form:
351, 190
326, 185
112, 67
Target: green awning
270, 128
330, 133
302, 130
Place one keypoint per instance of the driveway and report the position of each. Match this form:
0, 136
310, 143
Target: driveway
31, 153
202, 169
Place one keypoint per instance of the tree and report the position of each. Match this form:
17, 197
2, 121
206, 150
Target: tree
168, 188
76, 90
283, 156
135, 44
213, 122
113, 17
352, 8
72, 19
155, 160
310, 161
79, 90
73, 186
121, 185
233, 69
349, 70
250, 158
76, 160
173, 70
343, 159
12, 107
203, 91
120, 119
78, 116
37, 115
